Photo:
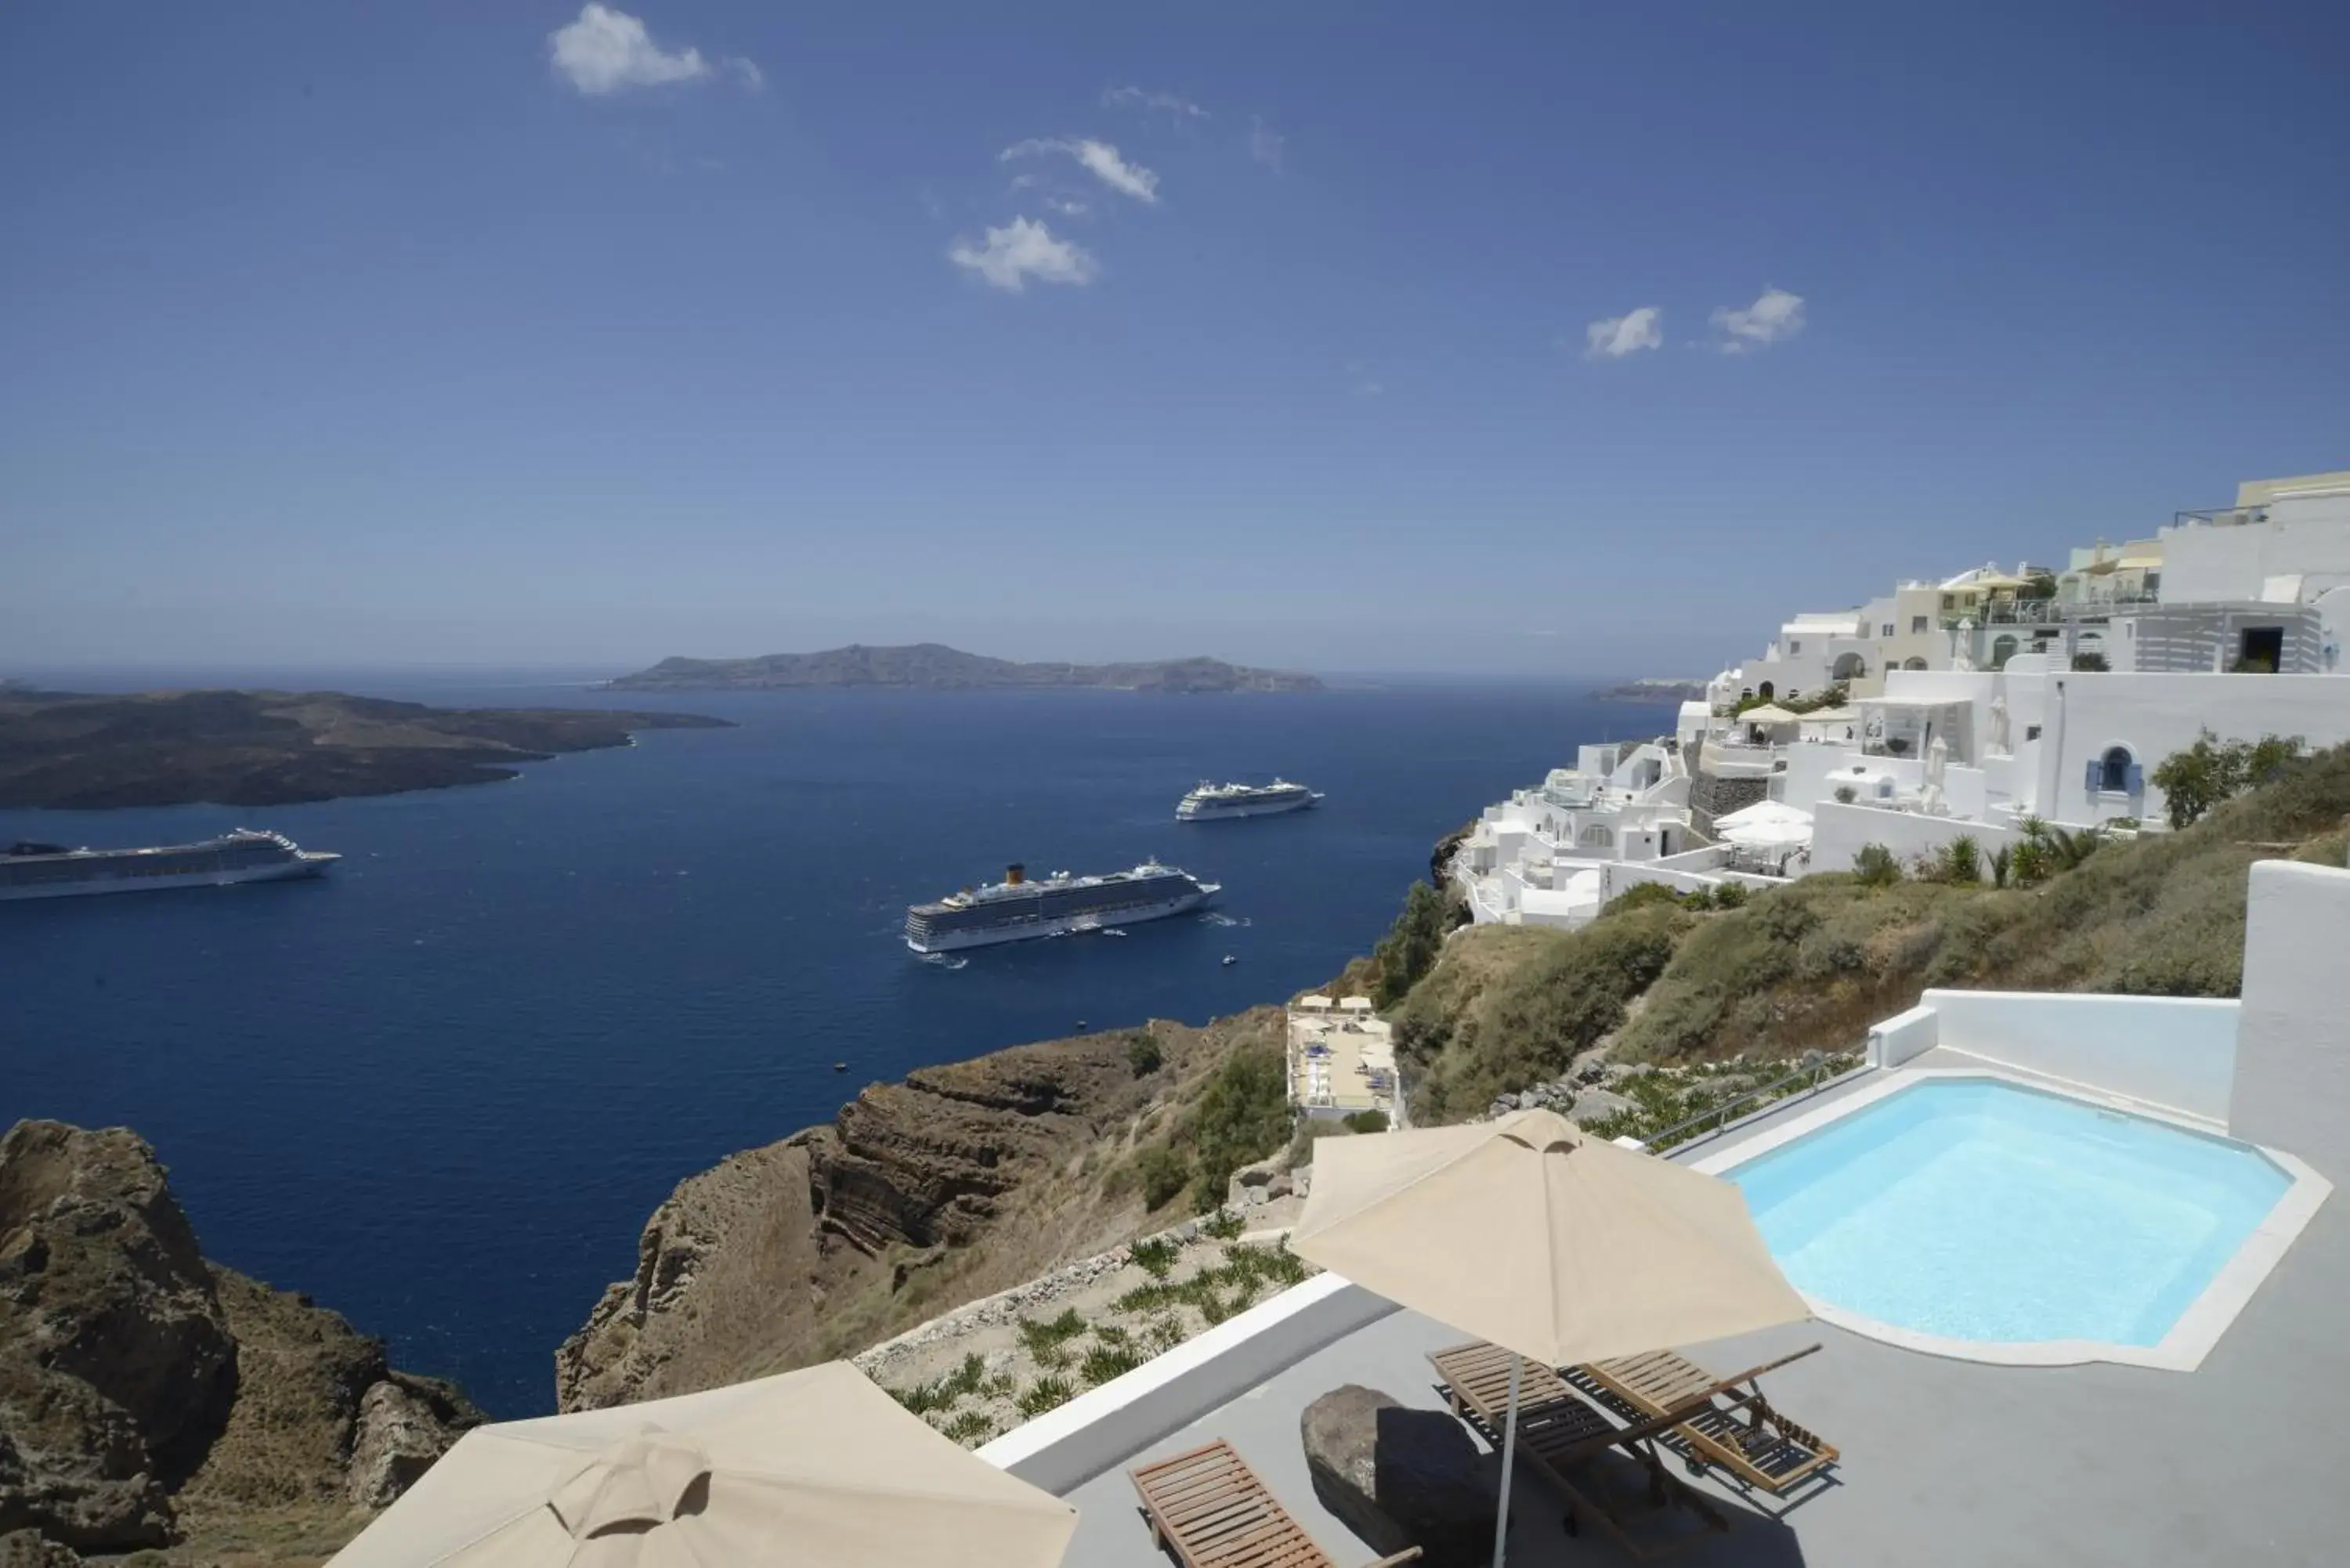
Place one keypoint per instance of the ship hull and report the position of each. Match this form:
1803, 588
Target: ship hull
1266, 809
1031, 930
308, 864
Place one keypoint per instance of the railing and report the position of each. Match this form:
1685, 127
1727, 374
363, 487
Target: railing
1772, 1091
2219, 517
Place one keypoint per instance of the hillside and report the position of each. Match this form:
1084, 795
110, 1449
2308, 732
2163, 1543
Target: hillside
68, 750
931, 666
1812, 966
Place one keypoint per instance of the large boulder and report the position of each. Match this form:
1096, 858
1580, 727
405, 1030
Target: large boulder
31, 1549
404, 1424
1401, 1477
116, 1368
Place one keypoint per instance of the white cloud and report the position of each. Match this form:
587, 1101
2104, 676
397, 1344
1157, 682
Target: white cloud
1773, 317
1022, 249
1266, 145
606, 51
1618, 335
1136, 98
1097, 158
1068, 206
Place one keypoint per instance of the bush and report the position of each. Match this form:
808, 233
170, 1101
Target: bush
1143, 1054
1042, 1337
1223, 1225
970, 1428
1846, 795
1164, 1172
1731, 896
1373, 1121
2209, 772
1107, 1361
1242, 1117
1962, 860
1409, 948
2090, 664
1874, 867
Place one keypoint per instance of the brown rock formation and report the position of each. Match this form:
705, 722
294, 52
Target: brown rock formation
840, 1236
142, 1386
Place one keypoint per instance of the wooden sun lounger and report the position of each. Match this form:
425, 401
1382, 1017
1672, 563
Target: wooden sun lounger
1211, 1509
1741, 1435
1561, 1434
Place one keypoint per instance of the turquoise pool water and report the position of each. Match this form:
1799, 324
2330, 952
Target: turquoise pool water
1978, 1209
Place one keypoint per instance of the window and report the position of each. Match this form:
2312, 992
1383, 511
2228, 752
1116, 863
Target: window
2115, 772
2002, 648
1795, 648
1596, 836
1917, 626
1913, 663
1949, 601
1887, 631
2031, 731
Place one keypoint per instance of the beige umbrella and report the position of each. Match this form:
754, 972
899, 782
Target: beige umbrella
1528, 1232
816, 1469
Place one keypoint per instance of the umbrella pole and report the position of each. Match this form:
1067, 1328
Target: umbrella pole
1508, 1452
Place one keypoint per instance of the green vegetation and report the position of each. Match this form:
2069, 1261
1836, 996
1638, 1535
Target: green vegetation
1044, 1393
1046, 1341
1164, 1172
1366, 1121
1156, 1256
1665, 1100
1813, 965
1521, 1001
2209, 772
2092, 663
1409, 948
1223, 1225
1242, 1117
970, 1428
1105, 1362
1142, 1053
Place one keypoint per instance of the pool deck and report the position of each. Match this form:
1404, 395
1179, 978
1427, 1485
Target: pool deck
1945, 1462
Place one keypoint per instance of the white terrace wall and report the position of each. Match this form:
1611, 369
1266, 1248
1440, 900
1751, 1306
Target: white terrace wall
2293, 1058
1839, 832
2152, 715
1064, 1448
2178, 1054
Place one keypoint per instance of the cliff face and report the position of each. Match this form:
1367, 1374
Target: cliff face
840, 1236
931, 666
142, 1386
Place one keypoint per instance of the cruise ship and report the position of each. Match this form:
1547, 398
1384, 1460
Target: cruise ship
54, 871
1210, 802
1016, 909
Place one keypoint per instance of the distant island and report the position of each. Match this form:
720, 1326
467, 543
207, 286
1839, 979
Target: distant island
934, 666
1655, 689
75, 751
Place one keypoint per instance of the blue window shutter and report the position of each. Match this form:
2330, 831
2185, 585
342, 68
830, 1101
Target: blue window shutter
2136, 782
2096, 774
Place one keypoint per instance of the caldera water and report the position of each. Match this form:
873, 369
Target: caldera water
441, 1088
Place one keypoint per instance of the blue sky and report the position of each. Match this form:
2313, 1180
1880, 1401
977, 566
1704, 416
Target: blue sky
524, 333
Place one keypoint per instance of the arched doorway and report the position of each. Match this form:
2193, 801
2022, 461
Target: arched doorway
1913, 663
1848, 667
2002, 648
2114, 770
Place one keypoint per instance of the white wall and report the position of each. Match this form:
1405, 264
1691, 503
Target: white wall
2293, 1056
1839, 832
2306, 537
2154, 715
2172, 1052
1064, 1448
1904, 1037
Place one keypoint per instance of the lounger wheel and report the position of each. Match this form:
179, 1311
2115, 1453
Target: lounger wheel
1696, 1467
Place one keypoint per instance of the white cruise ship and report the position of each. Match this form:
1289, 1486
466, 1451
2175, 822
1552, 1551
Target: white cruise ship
54, 871
1212, 800
1017, 908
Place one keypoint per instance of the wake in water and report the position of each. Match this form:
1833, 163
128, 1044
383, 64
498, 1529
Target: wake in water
946, 961
1212, 918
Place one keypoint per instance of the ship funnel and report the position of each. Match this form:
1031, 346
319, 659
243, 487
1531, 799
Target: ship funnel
1014, 873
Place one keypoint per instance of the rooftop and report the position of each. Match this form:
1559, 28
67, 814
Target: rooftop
1343, 1060
1944, 1461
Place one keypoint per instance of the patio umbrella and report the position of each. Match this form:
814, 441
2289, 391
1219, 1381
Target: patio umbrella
1766, 825
1559, 1246
816, 1469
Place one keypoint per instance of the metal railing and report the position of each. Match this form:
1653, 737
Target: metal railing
1772, 1091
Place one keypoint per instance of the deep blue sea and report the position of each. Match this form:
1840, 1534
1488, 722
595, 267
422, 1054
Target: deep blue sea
440, 1089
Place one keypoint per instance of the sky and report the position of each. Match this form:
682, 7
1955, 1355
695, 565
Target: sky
1530, 339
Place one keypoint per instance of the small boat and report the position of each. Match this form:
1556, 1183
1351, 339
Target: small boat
1112, 931
1230, 961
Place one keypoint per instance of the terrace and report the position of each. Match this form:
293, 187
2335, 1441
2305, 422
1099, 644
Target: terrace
1944, 1461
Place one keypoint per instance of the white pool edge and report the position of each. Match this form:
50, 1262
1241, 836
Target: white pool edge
2198, 1327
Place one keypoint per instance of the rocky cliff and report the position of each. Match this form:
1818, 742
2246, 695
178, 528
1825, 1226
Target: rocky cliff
144, 1391
839, 1236
934, 666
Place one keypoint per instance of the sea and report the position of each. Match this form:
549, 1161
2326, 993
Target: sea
440, 1089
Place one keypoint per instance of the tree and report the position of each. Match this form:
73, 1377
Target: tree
2090, 663
1876, 867
1242, 1117
2212, 772
1846, 795
2040, 586
1142, 1053
1409, 948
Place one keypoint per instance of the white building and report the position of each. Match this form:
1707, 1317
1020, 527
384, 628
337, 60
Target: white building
1537, 857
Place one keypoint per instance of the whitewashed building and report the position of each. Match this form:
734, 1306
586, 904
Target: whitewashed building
1539, 857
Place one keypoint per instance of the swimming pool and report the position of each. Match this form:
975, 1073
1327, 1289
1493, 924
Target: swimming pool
1977, 1209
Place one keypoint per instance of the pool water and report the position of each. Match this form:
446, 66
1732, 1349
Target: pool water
1977, 1209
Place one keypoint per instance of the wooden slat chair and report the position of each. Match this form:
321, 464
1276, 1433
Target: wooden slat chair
1213, 1509
1733, 1428
1562, 1436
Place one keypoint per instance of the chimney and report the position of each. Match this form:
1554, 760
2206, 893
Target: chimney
1014, 873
